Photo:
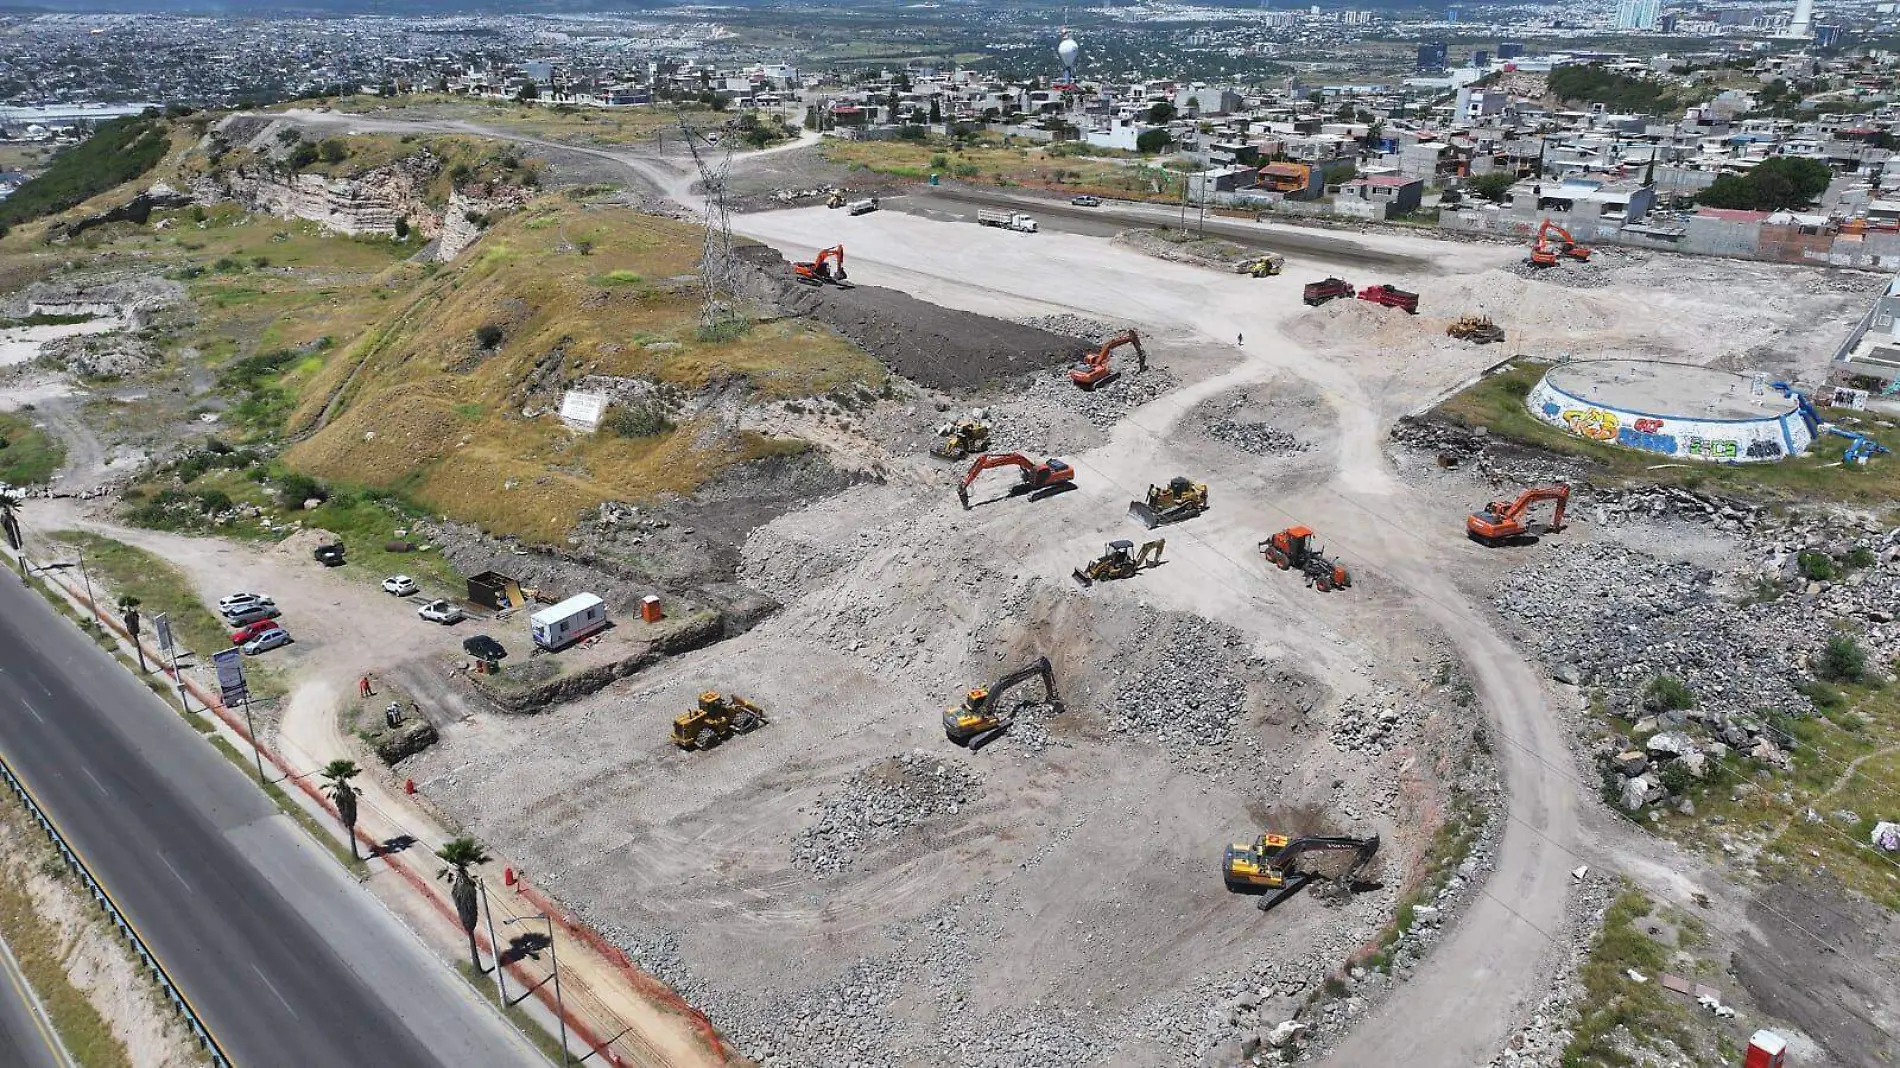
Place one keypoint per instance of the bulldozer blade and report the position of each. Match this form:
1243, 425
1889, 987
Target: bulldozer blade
1141, 513
1295, 883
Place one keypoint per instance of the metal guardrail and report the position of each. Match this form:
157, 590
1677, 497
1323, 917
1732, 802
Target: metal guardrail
111, 909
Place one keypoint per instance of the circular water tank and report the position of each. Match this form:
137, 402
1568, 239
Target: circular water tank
1067, 51
1679, 410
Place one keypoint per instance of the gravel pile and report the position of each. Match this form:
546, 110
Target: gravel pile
1257, 438
1093, 331
1103, 407
879, 804
1595, 274
1188, 696
1373, 723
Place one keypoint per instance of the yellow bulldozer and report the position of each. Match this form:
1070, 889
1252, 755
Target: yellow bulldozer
1121, 560
1182, 498
964, 437
714, 719
1478, 329
1263, 266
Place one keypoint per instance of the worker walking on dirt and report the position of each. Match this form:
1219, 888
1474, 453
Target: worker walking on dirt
1239, 340
363, 687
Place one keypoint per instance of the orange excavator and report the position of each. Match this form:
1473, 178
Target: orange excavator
1503, 520
1544, 255
1094, 369
1038, 479
820, 270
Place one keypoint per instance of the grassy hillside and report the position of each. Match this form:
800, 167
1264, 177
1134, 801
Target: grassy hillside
429, 400
117, 152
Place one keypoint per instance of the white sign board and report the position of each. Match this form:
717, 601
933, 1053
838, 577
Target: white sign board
162, 624
582, 411
230, 664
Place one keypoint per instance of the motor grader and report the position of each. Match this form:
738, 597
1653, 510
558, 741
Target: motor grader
961, 438
716, 718
1181, 499
1478, 329
1119, 561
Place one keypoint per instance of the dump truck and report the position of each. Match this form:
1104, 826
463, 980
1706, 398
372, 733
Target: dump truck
1318, 293
1391, 296
716, 718
1008, 220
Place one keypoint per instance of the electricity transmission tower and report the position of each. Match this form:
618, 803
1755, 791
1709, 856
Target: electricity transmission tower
716, 266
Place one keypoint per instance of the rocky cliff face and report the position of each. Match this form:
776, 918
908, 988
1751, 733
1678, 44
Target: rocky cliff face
468, 213
369, 203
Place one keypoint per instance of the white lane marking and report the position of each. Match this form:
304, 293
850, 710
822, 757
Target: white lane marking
29, 707
95, 780
273, 990
168, 867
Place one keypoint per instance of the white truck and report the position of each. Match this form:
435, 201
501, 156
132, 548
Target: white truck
1008, 220
862, 207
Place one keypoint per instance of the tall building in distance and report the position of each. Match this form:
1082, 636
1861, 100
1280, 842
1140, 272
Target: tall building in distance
1431, 58
1510, 49
1642, 14
1803, 24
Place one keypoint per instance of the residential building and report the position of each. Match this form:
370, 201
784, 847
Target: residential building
1379, 196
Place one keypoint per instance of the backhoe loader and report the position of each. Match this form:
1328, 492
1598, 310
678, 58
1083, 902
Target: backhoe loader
714, 719
1119, 561
1094, 370
1038, 479
1501, 521
1293, 547
820, 269
1267, 864
1182, 498
982, 716
961, 438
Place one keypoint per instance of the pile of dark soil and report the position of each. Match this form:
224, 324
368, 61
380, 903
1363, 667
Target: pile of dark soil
937, 347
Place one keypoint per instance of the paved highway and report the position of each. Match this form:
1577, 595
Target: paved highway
286, 959
26, 1036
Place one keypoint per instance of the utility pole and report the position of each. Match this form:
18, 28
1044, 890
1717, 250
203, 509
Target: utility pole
560, 1010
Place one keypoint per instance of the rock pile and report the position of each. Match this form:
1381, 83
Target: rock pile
879, 804
1372, 724
1093, 331
1189, 695
1257, 438
1104, 406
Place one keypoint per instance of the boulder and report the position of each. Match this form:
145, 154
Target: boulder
1768, 753
1285, 1033
1630, 762
1640, 791
1696, 762
1668, 744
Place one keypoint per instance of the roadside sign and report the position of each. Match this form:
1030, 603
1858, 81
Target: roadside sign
162, 625
230, 665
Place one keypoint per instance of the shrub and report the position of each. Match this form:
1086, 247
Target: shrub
1492, 186
1861, 556
334, 151
1841, 660
939, 161
293, 489
402, 229
1675, 778
1666, 693
302, 156
225, 264
1815, 566
260, 262
488, 335
638, 421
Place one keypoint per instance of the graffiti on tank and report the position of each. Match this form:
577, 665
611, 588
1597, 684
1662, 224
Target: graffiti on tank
1713, 448
1551, 408
1593, 423
1647, 426
1651, 442
1764, 449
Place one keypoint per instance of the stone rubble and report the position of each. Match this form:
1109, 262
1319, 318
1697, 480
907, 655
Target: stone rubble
1190, 696
1257, 438
1093, 331
879, 805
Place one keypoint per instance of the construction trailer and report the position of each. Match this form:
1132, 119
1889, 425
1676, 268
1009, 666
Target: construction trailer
561, 625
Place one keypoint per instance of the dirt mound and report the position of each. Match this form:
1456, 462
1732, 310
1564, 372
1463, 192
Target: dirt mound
937, 347
305, 542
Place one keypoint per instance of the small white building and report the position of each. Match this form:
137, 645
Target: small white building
563, 624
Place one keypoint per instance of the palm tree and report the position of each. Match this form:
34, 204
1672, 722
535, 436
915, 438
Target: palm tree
10, 500
458, 855
336, 782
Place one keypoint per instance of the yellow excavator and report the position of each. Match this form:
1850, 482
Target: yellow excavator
1120, 560
962, 438
714, 719
1268, 864
1182, 498
981, 718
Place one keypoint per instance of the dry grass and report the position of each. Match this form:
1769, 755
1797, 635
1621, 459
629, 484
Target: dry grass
424, 409
572, 125
991, 162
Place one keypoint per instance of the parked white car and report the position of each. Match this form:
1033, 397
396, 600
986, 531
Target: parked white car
247, 614
400, 585
242, 602
440, 612
266, 641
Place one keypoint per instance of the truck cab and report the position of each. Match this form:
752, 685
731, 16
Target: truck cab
1318, 293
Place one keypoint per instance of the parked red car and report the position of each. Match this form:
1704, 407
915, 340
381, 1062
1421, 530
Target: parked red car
247, 632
